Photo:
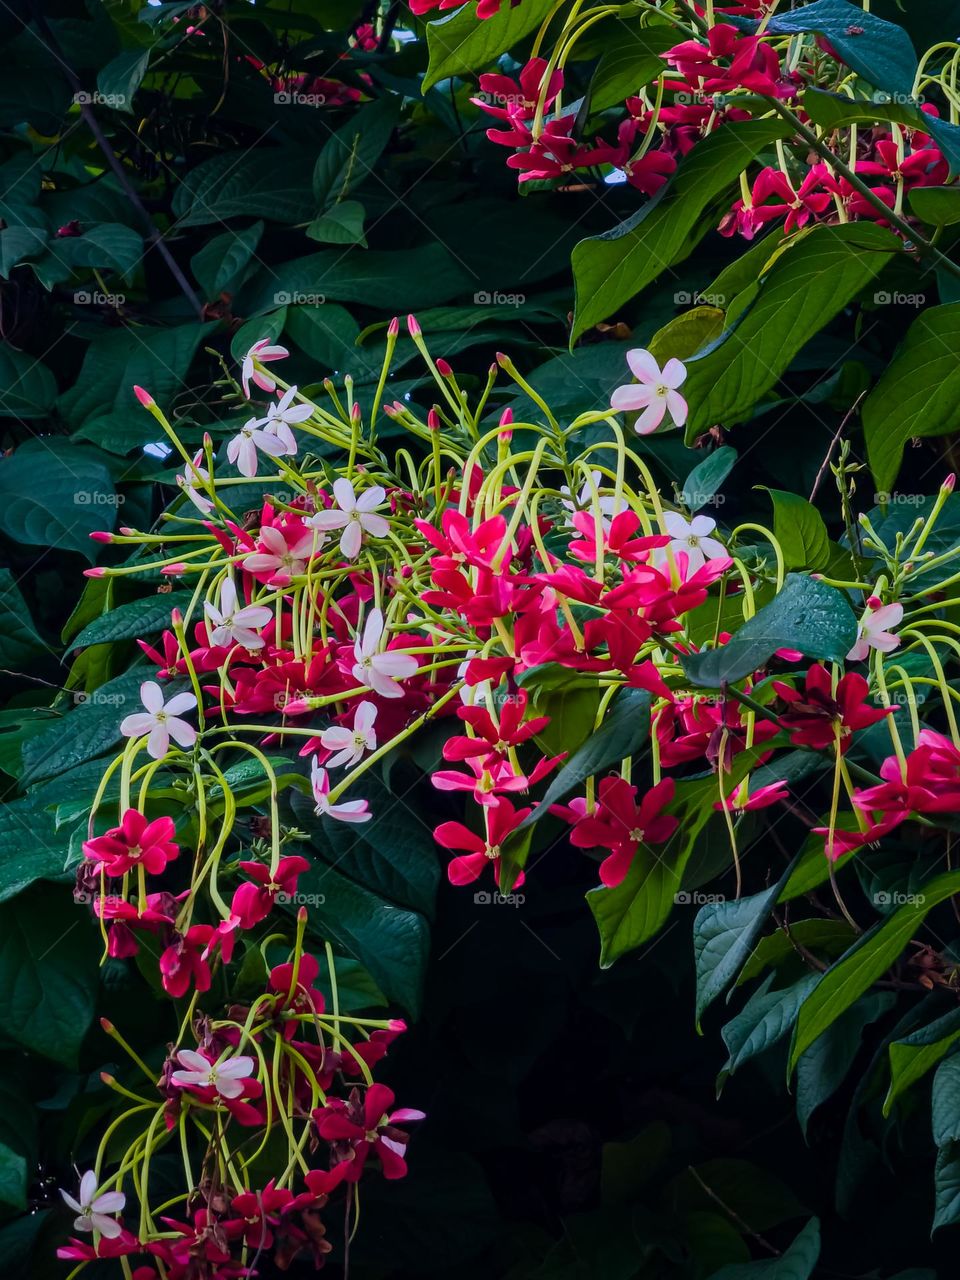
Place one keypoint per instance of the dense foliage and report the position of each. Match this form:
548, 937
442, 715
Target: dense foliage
394, 749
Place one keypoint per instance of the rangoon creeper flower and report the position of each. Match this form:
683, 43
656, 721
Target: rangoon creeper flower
875, 629
584, 500
282, 415
346, 811
92, 1209
242, 449
224, 1076
380, 671
283, 559
192, 481
263, 353
655, 392
232, 625
690, 537
160, 720
350, 744
355, 516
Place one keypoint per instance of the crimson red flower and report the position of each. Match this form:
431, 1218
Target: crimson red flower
136, 842
622, 825
494, 740
500, 819
812, 718
362, 1126
253, 901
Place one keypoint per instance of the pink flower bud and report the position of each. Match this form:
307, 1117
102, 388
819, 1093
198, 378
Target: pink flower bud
176, 617
502, 360
393, 328
355, 413
145, 398
444, 368
413, 327
101, 535
97, 572
433, 420
174, 569
949, 483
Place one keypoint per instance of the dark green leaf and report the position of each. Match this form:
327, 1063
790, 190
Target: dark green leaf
129, 621
703, 483
799, 528
796, 1263
460, 44
76, 497
945, 1103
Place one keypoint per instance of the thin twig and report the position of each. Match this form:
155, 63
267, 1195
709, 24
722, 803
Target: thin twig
744, 1226
833, 444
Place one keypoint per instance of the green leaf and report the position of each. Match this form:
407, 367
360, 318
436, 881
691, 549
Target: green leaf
18, 243
870, 957
879, 51
703, 483
48, 974
53, 493
624, 732
341, 224
916, 1054
764, 1020
611, 268
945, 1102
30, 847
947, 1186
349, 155
109, 245
19, 641
799, 528
130, 621
460, 43
796, 1263
629, 64
806, 615
804, 287
724, 935
120, 79
270, 183
221, 265
813, 865
27, 387
940, 206
832, 937
13, 1178
824, 1066
686, 334
918, 393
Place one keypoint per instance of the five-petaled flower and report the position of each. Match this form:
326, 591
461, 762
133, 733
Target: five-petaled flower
93, 1208
380, 671
160, 720
225, 1075
363, 1126
243, 449
875, 629
355, 516
692, 537
232, 625
350, 744
261, 353
137, 842
655, 392
345, 810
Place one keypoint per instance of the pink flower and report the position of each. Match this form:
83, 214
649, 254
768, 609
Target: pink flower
160, 720
346, 811
224, 1075
350, 744
242, 449
622, 826
356, 516
282, 415
92, 1208
193, 480
259, 354
253, 900
232, 625
655, 392
814, 717
762, 798
500, 819
359, 1128
136, 842
875, 629
280, 555
380, 671
692, 538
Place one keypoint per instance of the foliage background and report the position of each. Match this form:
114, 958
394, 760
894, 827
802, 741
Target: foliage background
573, 1125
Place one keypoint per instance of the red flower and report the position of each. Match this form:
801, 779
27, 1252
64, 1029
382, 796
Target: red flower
500, 819
136, 842
622, 826
813, 717
494, 740
359, 1127
253, 901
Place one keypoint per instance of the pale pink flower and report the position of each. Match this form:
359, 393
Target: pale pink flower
346, 811
192, 482
380, 671
225, 1075
246, 445
875, 629
263, 353
655, 392
284, 414
232, 625
281, 557
690, 537
355, 516
350, 744
160, 720
92, 1208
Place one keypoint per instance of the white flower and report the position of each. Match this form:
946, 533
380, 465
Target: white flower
283, 558
224, 1076
160, 720
242, 449
875, 629
191, 482
236, 626
355, 516
655, 392
607, 502
350, 744
263, 353
380, 671
92, 1208
348, 811
281, 415
690, 537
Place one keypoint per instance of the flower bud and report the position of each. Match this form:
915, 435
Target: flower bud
413, 327
393, 328
101, 535
433, 420
444, 368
